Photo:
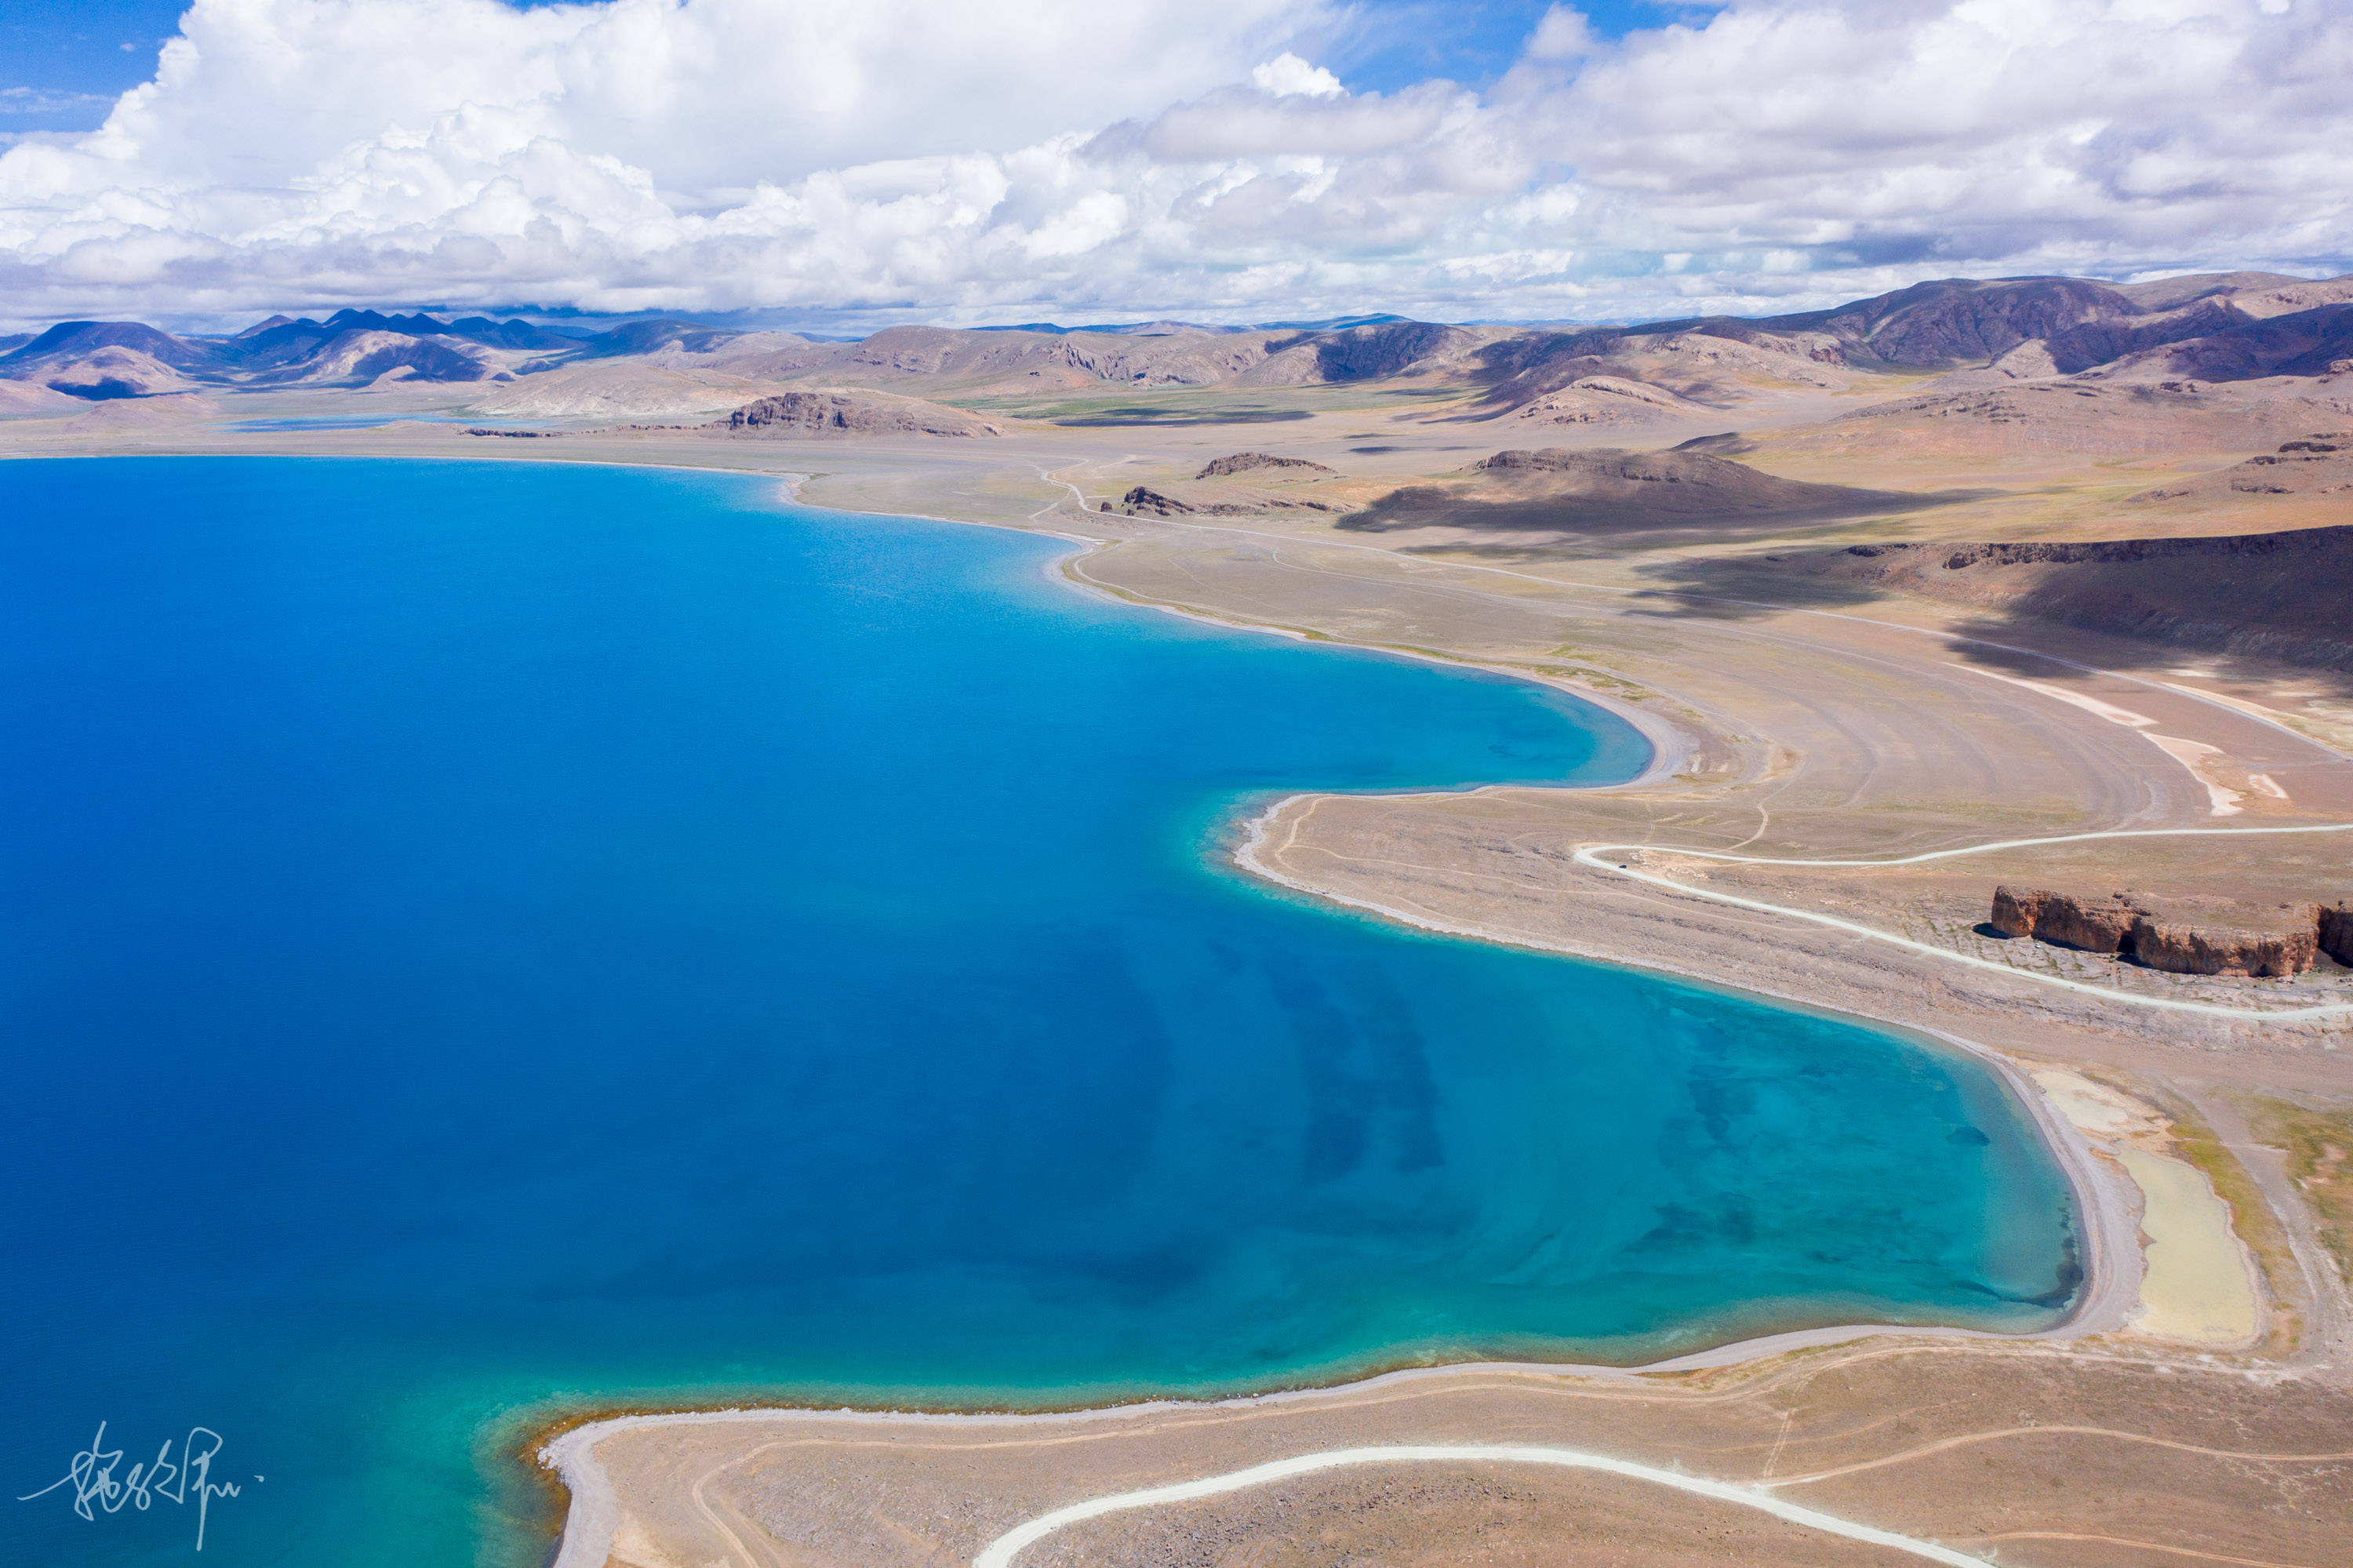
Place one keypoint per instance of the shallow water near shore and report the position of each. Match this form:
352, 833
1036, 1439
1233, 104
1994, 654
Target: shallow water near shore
481, 937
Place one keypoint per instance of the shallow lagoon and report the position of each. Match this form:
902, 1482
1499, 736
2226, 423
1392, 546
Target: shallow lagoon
479, 935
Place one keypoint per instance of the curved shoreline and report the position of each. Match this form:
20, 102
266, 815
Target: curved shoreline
1671, 745
593, 1510
2106, 1218
2108, 1236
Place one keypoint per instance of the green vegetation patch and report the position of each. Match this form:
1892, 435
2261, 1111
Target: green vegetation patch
2319, 1149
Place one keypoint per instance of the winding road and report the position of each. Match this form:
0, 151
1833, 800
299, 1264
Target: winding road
1000, 1553
1590, 856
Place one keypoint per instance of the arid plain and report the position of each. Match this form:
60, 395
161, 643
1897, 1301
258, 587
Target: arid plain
1899, 595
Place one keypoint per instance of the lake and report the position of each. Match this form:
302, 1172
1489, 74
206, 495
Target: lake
481, 938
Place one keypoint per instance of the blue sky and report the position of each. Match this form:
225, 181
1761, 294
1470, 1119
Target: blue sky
67, 60
1401, 42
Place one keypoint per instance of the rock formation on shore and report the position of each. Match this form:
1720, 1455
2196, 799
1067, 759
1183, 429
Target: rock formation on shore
1143, 502
2179, 935
2092, 924
2336, 932
1196, 498
843, 413
1244, 462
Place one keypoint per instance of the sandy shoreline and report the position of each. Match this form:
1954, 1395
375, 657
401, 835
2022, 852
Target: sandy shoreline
2107, 1213
2107, 1218
1672, 744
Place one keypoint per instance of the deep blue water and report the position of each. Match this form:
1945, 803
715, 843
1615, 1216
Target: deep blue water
478, 936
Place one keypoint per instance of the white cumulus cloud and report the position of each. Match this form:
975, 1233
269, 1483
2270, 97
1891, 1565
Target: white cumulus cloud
1287, 75
995, 159
1562, 34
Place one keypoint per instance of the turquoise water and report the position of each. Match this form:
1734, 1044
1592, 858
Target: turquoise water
480, 937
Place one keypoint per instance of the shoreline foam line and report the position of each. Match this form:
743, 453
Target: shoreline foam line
1000, 1553
1589, 856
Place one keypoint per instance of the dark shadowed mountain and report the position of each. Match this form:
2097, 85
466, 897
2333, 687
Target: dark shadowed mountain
1388, 348
121, 359
1959, 321
652, 337
2308, 343
518, 334
104, 360
69, 339
2210, 327
2109, 338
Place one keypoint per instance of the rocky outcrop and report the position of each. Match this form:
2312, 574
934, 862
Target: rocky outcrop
2336, 932
2315, 464
850, 414
1143, 502
1244, 462
2015, 909
2179, 935
1190, 498
2227, 939
2095, 925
